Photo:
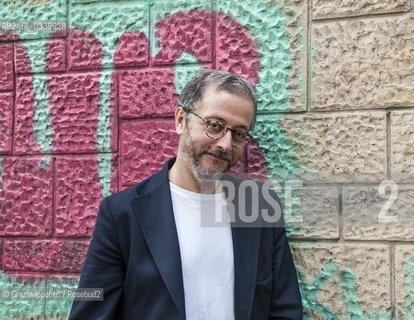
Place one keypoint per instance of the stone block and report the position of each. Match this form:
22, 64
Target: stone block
84, 50
74, 102
24, 285
55, 56
147, 93
60, 309
310, 211
6, 121
344, 281
6, 67
323, 9
236, 51
275, 32
379, 212
57, 256
26, 193
334, 147
256, 161
187, 32
404, 281
33, 128
78, 195
363, 63
133, 50
402, 149
145, 147
105, 24
42, 57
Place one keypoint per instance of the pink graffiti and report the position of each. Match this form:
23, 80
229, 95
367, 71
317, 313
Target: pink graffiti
56, 201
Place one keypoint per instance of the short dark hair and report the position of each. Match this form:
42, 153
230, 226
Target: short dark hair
220, 80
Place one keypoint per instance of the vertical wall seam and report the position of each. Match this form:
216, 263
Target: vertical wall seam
392, 281
388, 144
309, 57
53, 233
14, 98
340, 213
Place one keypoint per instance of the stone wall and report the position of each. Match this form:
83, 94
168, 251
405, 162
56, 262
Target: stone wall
87, 110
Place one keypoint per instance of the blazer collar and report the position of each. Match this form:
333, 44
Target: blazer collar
153, 208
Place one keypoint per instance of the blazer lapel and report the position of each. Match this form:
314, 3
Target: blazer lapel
246, 242
156, 219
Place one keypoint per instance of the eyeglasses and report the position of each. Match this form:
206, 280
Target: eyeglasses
216, 130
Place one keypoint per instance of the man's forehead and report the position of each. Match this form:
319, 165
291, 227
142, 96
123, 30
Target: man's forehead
211, 91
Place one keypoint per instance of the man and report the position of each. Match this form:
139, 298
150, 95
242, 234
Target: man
152, 253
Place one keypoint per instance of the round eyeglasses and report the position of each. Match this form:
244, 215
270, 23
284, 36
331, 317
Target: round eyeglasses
216, 130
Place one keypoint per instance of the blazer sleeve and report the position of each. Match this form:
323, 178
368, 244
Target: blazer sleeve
286, 298
104, 267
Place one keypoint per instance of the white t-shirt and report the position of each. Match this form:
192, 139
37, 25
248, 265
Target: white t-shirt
206, 255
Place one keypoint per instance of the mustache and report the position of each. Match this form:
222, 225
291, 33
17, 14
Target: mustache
219, 154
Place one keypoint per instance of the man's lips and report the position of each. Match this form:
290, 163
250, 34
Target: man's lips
219, 155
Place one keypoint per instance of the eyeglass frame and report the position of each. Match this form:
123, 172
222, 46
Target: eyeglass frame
247, 138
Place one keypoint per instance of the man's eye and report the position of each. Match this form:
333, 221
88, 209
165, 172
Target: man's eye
240, 134
216, 126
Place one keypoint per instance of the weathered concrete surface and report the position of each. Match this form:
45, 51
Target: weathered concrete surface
378, 213
59, 309
335, 147
363, 63
278, 28
404, 281
6, 121
402, 147
44, 255
77, 196
344, 281
147, 93
323, 9
44, 57
146, 146
313, 212
26, 197
6, 67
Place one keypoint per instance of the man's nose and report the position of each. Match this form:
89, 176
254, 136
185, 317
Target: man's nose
225, 142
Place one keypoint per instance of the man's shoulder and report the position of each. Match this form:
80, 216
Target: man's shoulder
124, 197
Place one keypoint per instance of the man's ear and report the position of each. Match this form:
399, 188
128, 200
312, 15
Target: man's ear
179, 120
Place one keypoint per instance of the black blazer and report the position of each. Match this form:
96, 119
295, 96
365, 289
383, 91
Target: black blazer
134, 256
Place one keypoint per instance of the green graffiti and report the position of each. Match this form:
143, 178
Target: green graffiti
266, 23
108, 23
353, 310
184, 73
104, 169
104, 134
162, 9
309, 292
42, 119
33, 10
16, 302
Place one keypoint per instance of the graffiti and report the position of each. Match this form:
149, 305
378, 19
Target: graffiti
79, 130
353, 309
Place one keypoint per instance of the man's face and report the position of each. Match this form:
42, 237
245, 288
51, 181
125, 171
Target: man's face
205, 156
